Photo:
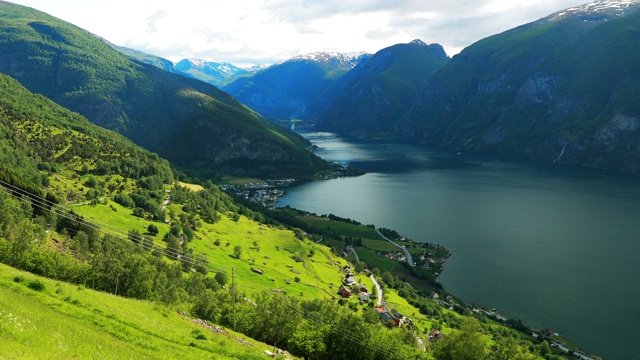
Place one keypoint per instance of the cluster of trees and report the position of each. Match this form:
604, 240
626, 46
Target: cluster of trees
340, 219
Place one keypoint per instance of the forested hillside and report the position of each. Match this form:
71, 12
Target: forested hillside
189, 122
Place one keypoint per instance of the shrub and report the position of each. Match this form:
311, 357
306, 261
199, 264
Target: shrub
36, 285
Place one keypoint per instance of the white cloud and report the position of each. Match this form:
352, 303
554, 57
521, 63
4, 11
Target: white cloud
151, 20
268, 31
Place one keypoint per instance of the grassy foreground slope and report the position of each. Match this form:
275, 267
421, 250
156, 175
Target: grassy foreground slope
42, 318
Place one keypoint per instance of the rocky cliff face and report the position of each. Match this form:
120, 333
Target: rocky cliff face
560, 89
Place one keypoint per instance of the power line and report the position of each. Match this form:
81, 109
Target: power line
63, 212
58, 210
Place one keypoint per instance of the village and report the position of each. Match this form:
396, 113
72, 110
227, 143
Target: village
266, 193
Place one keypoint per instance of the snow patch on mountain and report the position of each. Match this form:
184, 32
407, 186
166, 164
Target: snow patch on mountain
341, 60
608, 8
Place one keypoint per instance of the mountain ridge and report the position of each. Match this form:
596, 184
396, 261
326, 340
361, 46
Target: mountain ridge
283, 91
156, 109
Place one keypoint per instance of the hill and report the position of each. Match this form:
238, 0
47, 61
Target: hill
560, 89
283, 91
44, 318
375, 94
191, 123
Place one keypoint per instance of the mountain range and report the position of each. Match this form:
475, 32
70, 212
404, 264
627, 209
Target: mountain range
193, 124
283, 91
560, 89
215, 73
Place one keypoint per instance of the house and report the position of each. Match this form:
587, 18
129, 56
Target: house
548, 333
344, 291
434, 295
436, 335
363, 289
386, 317
364, 297
349, 280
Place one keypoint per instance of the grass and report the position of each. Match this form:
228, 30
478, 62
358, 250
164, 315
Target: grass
377, 261
233, 180
116, 215
315, 272
192, 187
63, 321
345, 229
378, 245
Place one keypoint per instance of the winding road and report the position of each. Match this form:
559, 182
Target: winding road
406, 252
378, 288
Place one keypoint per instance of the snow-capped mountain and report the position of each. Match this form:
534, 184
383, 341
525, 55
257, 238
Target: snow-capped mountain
283, 90
343, 61
215, 73
598, 10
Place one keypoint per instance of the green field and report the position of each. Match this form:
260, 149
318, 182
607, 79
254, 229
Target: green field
315, 272
345, 229
63, 321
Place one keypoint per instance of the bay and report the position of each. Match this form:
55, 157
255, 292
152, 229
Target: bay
553, 245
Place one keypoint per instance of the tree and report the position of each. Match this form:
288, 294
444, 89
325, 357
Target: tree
222, 278
387, 278
134, 236
139, 212
237, 251
507, 348
152, 229
308, 341
466, 344
277, 317
173, 247
92, 182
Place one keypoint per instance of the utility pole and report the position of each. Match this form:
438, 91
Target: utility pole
233, 290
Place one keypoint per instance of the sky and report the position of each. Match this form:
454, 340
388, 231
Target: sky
270, 31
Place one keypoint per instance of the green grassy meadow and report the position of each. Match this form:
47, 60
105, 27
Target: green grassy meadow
315, 272
64, 321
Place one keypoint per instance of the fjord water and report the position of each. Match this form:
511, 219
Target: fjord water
553, 245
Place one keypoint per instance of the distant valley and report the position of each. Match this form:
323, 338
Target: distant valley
560, 89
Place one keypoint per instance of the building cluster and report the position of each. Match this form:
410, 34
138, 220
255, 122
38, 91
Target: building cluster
351, 287
265, 193
396, 256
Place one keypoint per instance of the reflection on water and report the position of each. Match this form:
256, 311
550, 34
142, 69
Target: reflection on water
555, 246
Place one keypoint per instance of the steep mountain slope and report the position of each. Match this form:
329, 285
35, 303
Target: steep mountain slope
214, 73
375, 94
146, 58
283, 91
563, 89
189, 122
38, 137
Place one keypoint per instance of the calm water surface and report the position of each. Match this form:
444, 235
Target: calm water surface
555, 246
